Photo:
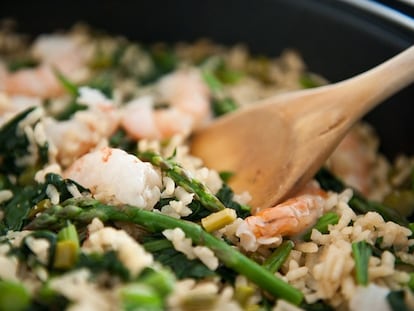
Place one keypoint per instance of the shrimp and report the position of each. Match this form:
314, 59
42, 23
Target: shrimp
355, 158
288, 218
68, 54
189, 107
116, 177
85, 130
12, 105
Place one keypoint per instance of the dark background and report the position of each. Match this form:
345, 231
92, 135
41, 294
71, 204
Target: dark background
336, 39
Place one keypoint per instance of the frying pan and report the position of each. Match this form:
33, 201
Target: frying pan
337, 39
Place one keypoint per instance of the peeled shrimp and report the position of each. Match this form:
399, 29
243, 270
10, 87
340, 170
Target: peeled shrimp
116, 177
189, 107
64, 53
355, 158
288, 218
85, 130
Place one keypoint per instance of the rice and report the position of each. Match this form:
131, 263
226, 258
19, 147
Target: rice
116, 136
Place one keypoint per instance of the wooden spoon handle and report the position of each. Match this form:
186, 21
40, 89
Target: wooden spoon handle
379, 83
341, 104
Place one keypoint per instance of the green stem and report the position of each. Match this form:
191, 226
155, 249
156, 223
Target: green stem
279, 256
322, 224
361, 252
84, 210
182, 178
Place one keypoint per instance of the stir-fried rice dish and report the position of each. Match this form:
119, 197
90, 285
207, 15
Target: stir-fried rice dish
103, 206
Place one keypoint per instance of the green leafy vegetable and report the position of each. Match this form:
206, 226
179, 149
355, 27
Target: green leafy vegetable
21, 63
361, 252
14, 145
17, 210
107, 262
396, 300
358, 203
84, 210
164, 61
223, 106
226, 195
121, 140
24, 253
69, 86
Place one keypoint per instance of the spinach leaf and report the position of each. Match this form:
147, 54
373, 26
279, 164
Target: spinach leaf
107, 262
13, 144
17, 210
358, 202
396, 301
226, 195
164, 60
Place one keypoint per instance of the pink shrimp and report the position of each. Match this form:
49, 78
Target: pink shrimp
85, 130
189, 107
117, 177
288, 218
354, 159
63, 53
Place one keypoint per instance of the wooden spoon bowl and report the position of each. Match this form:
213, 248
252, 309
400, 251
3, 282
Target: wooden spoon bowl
277, 145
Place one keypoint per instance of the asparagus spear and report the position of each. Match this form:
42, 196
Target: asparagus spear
183, 179
84, 210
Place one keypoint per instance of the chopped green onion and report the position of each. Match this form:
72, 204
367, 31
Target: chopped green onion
361, 252
279, 256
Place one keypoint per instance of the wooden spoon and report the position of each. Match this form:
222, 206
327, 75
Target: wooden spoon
277, 145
